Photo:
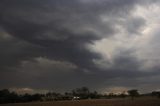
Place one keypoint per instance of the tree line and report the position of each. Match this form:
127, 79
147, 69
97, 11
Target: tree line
12, 97
76, 94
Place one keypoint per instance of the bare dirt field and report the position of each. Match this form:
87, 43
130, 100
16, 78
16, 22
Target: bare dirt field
101, 102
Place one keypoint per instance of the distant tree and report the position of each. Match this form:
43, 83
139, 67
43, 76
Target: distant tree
123, 95
156, 93
37, 97
4, 94
83, 92
94, 95
133, 93
8, 97
51, 96
13, 97
26, 98
68, 96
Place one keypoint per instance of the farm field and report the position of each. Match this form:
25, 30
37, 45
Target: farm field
101, 102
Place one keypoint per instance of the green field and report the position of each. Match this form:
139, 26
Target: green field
143, 101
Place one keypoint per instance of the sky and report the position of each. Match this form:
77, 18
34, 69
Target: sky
106, 45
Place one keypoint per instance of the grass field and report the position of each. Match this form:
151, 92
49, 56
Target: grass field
147, 101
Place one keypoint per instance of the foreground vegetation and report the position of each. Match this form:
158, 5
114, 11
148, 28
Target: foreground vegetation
78, 96
141, 101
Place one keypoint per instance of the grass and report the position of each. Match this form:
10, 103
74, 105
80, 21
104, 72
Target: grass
141, 101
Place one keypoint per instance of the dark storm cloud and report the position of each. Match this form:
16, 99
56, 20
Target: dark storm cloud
56, 26
60, 30
52, 35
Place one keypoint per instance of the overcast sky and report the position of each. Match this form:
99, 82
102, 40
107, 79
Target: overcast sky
59, 45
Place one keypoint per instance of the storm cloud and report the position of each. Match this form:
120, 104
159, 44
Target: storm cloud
60, 45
